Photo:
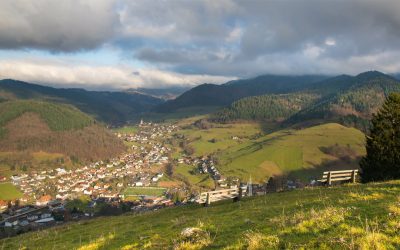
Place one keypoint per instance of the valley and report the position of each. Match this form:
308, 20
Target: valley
196, 125
73, 167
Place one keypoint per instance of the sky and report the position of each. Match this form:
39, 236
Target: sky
119, 44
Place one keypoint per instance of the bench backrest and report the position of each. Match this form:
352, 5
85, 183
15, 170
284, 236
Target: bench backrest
342, 175
218, 195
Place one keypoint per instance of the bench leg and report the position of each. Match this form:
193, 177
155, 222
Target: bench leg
329, 181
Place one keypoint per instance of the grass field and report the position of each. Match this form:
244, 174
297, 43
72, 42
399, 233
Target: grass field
147, 191
219, 137
9, 192
347, 217
127, 129
299, 152
185, 172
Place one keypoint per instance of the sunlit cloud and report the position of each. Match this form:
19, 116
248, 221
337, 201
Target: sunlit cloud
95, 77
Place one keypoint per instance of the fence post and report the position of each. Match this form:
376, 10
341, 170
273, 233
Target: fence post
240, 194
353, 176
208, 201
329, 178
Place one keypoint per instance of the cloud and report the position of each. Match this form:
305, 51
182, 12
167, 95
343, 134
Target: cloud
208, 39
60, 25
54, 73
242, 37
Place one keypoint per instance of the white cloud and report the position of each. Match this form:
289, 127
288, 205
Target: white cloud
330, 42
54, 73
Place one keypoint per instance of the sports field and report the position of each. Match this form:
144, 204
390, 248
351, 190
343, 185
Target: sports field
9, 192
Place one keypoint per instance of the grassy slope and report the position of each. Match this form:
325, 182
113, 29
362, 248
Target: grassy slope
9, 192
127, 129
292, 151
297, 151
200, 139
185, 172
349, 217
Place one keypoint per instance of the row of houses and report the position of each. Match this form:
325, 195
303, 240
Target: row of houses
103, 179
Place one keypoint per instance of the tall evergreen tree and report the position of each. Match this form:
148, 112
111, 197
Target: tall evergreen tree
382, 161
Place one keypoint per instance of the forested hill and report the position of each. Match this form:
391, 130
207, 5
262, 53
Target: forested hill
345, 99
266, 107
353, 106
222, 95
110, 107
30, 126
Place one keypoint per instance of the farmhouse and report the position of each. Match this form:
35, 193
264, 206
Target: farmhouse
43, 201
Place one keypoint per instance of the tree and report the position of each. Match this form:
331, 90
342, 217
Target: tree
189, 150
169, 169
382, 161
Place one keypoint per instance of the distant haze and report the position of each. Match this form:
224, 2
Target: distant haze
121, 44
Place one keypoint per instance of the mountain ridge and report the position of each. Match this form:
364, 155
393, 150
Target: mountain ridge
349, 100
220, 95
107, 106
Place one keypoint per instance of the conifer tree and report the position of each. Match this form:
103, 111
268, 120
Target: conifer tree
382, 161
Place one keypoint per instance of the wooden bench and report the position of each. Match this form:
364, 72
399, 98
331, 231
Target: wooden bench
342, 175
233, 193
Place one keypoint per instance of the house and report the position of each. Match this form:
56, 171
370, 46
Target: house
43, 201
24, 223
45, 215
45, 221
3, 205
24, 199
88, 191
32, 217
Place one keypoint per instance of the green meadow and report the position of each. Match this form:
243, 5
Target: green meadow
303, 153
139, 191
243, 150
9, 192
219, 137
126, 129
190, 174
357, 216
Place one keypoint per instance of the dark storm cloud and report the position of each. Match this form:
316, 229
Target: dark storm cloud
358, 27
245, 34
56, 25
223, 38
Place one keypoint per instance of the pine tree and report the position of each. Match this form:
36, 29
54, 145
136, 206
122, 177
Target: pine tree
382, 161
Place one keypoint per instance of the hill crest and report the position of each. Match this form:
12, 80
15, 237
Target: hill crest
30, 126
110, 107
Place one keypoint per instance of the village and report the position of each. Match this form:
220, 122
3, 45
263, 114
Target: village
50, 196
103, 181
